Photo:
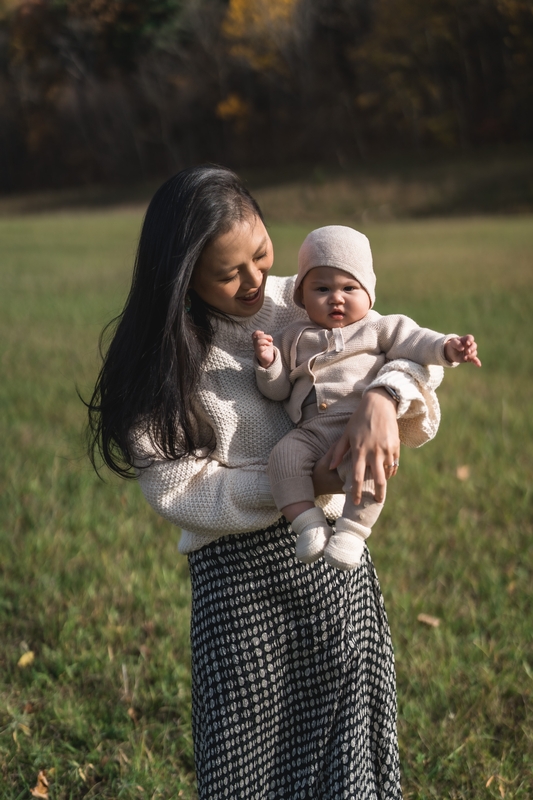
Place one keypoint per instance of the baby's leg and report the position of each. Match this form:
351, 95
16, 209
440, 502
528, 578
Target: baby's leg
290, 471
346, 547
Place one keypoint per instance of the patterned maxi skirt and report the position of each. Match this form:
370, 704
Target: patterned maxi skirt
294, 690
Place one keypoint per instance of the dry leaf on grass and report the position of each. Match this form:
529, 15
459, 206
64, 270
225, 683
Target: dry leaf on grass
463, 472
41, 790
434, 622
26, 659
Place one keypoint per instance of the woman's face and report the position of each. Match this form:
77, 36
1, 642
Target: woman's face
231, 272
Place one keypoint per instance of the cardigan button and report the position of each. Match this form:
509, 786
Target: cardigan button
323, 406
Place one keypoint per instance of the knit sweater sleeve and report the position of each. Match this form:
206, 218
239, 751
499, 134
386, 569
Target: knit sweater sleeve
400, 337
273, 381
418, 408
205, 496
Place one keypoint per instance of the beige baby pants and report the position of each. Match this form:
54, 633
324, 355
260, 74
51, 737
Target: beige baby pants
291, 465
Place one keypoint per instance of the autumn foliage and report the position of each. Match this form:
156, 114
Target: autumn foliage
114, 90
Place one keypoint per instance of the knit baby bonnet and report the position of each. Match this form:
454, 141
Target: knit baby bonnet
341, 247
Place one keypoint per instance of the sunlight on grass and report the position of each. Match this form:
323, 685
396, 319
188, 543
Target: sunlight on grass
93, 585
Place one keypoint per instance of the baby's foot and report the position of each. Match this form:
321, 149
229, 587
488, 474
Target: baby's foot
313, 535
345, 548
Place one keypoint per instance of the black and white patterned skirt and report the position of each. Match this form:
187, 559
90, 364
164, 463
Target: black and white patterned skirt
294, 690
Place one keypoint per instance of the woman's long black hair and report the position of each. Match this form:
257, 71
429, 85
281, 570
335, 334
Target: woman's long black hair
153, 364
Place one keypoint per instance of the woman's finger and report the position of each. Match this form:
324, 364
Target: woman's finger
380, 479
339, 451
359, 469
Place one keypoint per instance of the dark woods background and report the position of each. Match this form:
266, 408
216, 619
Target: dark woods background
119, 90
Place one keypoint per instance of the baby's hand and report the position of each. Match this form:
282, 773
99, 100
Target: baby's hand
462, 349
264, 348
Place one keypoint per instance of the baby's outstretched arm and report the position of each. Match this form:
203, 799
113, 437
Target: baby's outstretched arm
264, 348
462, 349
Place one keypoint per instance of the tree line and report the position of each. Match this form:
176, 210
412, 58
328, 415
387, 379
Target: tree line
115, 90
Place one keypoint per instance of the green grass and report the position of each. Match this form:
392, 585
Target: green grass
92, 584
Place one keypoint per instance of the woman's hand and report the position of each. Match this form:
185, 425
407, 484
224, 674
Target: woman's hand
372, 436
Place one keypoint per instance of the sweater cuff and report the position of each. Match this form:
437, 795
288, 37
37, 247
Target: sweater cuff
445, 362
264, 495
272, 372
403, 387
411, 401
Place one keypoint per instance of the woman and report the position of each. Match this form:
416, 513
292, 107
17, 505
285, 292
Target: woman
293, 675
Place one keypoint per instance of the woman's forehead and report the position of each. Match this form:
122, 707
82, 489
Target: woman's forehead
242, 240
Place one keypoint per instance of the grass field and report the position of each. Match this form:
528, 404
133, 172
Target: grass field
94, 598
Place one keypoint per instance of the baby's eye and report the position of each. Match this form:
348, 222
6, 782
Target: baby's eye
351, 288
322, 289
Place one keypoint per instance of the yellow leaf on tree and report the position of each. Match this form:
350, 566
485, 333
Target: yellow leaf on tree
26, 659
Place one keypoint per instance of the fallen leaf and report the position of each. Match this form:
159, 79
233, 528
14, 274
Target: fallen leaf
502, 790
463, 472
29, 708
41, 790
434, 622
84, 773
26, 659
489, 781
132, 715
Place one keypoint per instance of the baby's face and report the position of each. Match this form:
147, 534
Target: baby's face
332, 298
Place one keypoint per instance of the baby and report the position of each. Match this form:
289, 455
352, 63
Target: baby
321, 369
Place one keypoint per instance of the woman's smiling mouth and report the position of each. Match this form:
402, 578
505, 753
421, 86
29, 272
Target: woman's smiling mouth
250, 299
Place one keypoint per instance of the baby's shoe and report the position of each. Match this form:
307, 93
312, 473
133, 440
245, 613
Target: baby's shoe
345, 548
313, 534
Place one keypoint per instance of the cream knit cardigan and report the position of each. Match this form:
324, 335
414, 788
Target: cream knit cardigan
340, 363
227, 491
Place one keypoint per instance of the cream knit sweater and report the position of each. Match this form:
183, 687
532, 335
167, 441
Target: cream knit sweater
228, 491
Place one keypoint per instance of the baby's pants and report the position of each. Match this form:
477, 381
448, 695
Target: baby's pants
291, 465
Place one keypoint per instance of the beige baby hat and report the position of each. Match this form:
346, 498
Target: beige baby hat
341, 247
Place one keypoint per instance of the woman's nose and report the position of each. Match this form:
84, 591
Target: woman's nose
254, 276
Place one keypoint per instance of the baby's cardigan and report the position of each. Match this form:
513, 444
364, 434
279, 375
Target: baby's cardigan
227, 491
340, 363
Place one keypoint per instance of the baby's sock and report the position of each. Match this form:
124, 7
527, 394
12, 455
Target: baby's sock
345, 548
313, 534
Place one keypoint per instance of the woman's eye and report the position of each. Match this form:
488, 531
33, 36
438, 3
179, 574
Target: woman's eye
263, 255
231, 278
